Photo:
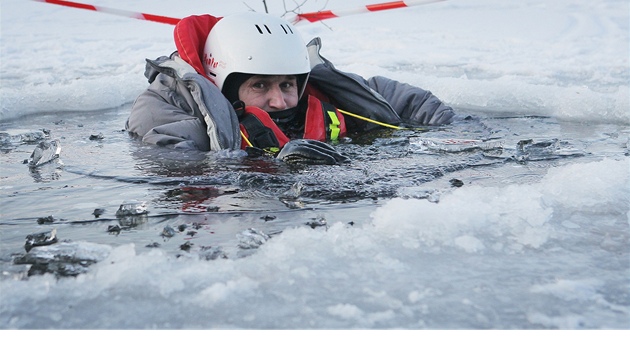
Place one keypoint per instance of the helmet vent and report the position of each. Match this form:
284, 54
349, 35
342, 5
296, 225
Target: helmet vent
261, 31
285, 29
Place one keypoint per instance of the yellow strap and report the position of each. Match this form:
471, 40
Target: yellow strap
334, 126
370, 120
245, 138
272, 150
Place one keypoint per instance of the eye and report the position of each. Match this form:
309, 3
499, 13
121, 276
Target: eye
259, 85
288, 85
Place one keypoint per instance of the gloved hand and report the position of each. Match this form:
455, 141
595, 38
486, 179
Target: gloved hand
312, 152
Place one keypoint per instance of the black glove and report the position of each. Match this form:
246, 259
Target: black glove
312, 152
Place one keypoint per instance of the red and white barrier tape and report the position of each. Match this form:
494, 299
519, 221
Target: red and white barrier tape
124, 13
327, 14
309, 16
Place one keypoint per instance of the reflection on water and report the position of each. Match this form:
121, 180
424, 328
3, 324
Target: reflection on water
46, 173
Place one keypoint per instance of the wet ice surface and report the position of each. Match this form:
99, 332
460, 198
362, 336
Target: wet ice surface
483, 224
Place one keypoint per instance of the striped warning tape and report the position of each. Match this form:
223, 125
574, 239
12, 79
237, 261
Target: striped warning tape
124, 13
327, 14
309, 16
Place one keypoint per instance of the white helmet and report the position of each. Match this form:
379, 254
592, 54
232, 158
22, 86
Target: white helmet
256, 44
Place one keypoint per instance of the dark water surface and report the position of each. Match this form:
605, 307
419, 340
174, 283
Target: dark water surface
207, 198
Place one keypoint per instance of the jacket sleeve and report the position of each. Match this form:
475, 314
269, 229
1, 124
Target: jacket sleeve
412, 103
379, 98
182, 109
160, 118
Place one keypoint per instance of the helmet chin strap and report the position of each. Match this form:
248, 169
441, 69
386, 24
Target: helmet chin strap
284, 116
281, 117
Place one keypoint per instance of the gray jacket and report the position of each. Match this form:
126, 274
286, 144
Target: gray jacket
182, 109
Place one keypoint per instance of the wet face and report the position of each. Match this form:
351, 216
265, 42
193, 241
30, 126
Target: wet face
270, 92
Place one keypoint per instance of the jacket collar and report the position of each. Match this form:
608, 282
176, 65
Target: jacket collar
190, 39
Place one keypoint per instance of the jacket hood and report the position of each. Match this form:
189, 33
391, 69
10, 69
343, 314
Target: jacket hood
190, 39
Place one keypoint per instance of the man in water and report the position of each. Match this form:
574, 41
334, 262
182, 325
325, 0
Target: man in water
248, 81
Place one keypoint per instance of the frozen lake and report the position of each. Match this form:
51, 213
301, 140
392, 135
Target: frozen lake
517, 219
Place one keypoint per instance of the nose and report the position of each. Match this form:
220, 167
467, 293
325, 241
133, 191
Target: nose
276, 99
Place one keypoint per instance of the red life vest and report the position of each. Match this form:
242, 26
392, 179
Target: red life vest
323, 122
